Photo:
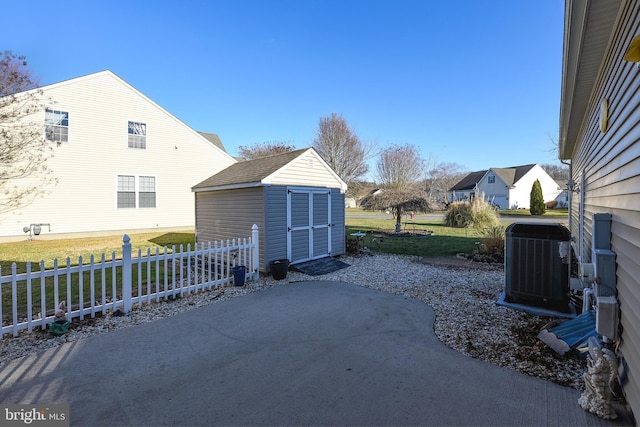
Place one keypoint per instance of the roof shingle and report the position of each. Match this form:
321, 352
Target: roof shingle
249, 171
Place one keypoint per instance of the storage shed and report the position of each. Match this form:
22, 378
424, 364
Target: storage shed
295, 198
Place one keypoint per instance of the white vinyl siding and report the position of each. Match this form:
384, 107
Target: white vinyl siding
83, 198
307, 170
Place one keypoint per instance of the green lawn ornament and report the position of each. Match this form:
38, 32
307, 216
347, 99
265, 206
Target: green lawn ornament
60, 324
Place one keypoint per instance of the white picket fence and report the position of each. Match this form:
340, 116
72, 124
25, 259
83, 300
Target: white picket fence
119, 283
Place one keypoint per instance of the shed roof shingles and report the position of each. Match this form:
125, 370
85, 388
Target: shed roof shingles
250, 171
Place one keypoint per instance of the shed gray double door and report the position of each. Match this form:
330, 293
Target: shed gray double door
308, 224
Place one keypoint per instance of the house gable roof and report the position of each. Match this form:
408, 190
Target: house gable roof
214, 139
468, 182
258, 172
512, 174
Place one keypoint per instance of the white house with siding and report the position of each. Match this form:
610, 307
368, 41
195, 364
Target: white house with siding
506, 188
296, 200
122, 162
600, 138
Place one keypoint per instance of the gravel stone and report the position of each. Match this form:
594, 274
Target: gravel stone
463, 295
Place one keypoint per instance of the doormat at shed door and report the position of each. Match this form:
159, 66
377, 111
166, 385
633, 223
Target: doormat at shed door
318, 267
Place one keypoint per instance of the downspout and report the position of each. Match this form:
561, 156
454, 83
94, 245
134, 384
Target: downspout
568, 163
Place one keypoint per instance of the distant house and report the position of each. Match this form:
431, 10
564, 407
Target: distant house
466, 188
350, 202
122, 162
563, 198
506, 188
295, 198
600, 137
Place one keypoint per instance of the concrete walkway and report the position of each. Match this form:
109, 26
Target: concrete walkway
312, 353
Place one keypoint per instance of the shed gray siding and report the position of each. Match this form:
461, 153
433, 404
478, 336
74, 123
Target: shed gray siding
320, 220
275, 231
607, 165
338, 231
299, 218
230, 214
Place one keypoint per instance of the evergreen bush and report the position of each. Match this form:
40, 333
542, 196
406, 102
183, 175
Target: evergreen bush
536, 202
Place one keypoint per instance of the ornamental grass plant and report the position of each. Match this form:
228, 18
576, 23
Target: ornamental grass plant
493, 242
477, 213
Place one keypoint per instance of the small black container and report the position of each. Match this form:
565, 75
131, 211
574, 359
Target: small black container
239, 274
279, 268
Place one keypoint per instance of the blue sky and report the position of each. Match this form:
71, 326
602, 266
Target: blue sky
470, 81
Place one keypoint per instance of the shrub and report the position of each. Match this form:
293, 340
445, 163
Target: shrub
352, 246
475, 214
496, 231
493, 242
536, 202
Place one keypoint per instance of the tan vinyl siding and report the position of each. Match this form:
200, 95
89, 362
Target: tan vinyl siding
611, 165
86, 167
230, 214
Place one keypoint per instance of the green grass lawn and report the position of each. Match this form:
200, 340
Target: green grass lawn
549, 213
39, 249
445, 241
35, 251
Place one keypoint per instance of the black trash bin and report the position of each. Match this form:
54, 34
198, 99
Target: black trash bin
279, 268
239, 275
536, 264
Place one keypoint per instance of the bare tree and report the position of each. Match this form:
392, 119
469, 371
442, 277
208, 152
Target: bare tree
399, 171
264, 149
23, 148
441, 177
557, 172
341, 148
399, 167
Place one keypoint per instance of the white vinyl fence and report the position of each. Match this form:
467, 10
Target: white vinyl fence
120, 282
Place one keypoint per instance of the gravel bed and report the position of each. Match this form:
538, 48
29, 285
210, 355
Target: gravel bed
462, 293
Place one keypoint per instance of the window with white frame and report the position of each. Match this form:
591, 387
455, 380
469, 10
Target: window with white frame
133, 188
137, 133
491, 179
147, 192
56, 125
126, 191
